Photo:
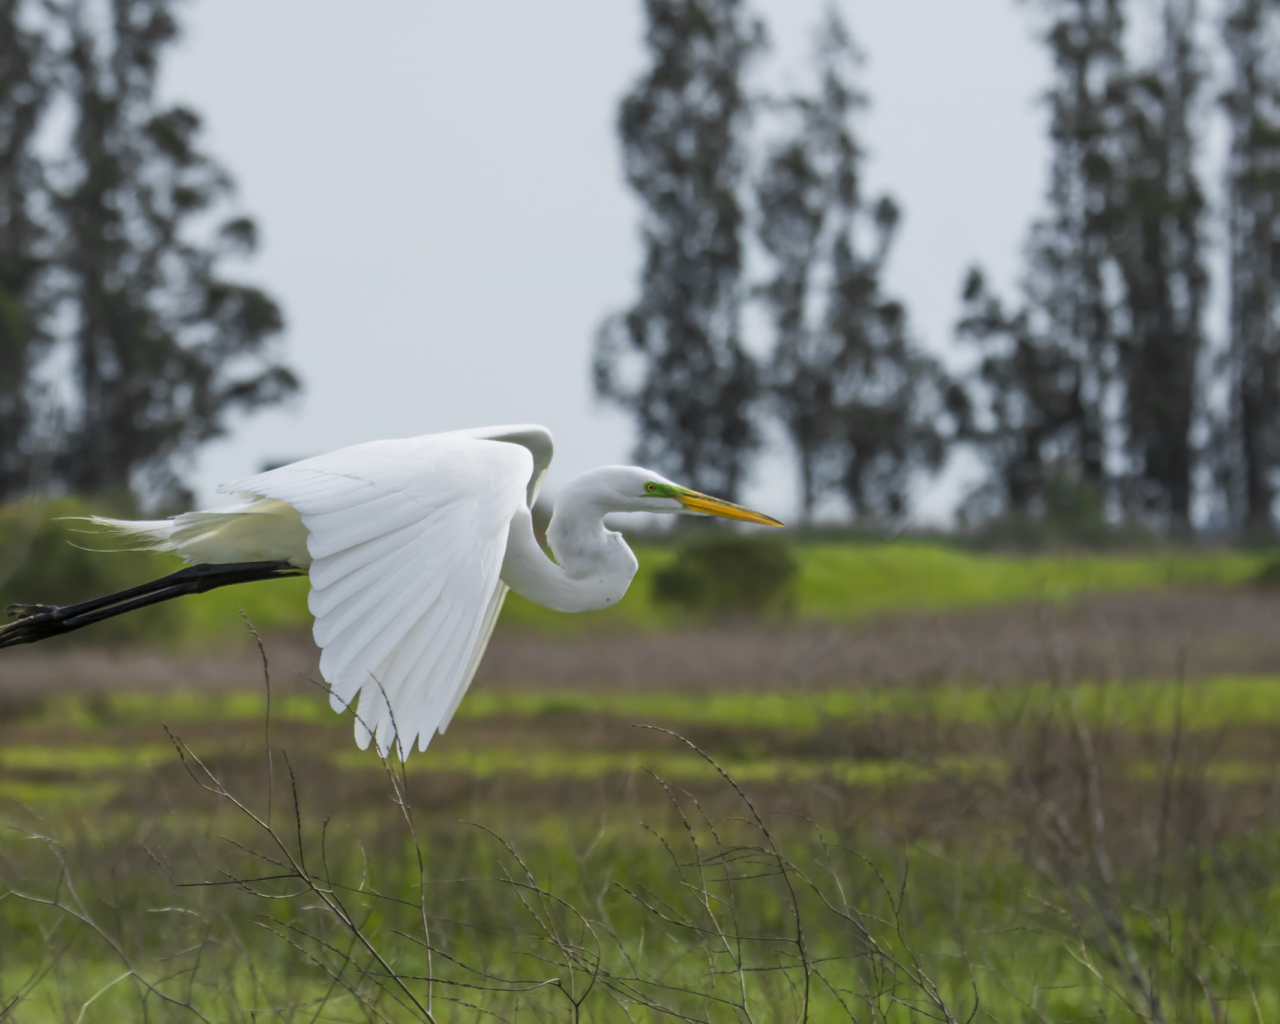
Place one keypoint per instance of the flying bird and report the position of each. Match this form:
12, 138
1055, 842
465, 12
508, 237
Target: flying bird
411, 546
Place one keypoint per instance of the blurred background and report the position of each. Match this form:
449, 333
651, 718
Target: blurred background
964, 252
982, 299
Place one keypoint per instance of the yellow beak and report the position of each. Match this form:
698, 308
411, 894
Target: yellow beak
710, 506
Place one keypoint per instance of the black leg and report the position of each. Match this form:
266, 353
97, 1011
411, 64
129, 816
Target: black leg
39, 621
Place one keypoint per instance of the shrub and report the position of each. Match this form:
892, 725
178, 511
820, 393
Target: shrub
725, 572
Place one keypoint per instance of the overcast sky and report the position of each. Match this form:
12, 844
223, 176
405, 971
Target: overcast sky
444, 218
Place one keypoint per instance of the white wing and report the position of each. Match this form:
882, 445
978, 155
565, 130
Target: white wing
538, 440
407, 540
528, 435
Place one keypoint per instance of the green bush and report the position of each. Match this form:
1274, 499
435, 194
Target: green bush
1268, 577
1072, 517
725, 572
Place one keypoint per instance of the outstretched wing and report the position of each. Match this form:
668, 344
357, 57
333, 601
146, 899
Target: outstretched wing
407, 540
528, 435
538, 440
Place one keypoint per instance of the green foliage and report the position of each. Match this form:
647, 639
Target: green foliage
1071, 517
923, 842
723, 572
841, 581
1154, 705
1268, 576
860, 402
1251, 456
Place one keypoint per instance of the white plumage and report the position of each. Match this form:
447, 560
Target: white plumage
411, 546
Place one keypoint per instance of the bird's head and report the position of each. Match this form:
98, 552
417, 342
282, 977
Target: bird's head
634, 489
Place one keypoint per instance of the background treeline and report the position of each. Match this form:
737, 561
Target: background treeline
122, 344
1097, 395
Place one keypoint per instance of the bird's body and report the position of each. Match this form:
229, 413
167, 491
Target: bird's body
411, 546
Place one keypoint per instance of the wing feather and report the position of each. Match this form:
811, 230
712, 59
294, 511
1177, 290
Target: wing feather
538, 441
387, 614
477, 653
329, 594
381, 584
351, 560
407, 540
368, 630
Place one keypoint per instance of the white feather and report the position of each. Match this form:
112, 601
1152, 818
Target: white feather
406, 541
253, 529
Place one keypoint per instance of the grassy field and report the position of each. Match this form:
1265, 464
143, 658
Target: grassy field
1049, 852
103, 741
916, 797
836, 582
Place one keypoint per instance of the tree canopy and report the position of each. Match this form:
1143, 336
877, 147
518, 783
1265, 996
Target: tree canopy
116, 266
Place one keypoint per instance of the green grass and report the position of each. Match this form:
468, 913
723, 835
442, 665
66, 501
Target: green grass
918, 826
74, 750
1150, 705
837, 581
691, 918
848, 581
1154, 705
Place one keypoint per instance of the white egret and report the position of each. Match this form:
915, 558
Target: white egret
411, 546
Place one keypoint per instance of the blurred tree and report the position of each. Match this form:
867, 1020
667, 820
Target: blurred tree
1104, 357
1046, 369
1070, 249
1028, 387
793, 203
24, 93
165, 347
1155, 219
676, 359
1252, 455
100, 262
857, 399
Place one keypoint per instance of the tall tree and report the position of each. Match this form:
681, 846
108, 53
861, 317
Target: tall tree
24, 93
1069, 251
682, 128
1028, 388
1252, 35
792, 198
1104, 360
857, 399
1157, 230
1046, 369
165, 346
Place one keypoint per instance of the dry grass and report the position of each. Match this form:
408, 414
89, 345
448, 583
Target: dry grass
1042, 863
1119, 637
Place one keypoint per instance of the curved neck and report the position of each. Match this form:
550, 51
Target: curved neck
595, 565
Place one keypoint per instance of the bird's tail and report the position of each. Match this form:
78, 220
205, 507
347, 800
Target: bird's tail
139, 534
256, 529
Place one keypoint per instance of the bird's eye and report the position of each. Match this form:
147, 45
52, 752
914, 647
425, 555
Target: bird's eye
650, 487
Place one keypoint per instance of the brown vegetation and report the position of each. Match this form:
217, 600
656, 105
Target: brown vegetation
1108, 637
